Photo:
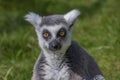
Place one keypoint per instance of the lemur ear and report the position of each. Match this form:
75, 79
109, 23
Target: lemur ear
33, 18
71, 16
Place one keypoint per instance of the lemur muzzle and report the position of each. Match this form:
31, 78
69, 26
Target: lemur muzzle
54, 45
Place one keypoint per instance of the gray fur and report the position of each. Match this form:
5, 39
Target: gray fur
52, 20
81, 62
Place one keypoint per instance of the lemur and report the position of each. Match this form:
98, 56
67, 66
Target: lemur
61, 58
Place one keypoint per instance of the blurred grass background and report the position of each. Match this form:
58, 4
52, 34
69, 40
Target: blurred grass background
97, 29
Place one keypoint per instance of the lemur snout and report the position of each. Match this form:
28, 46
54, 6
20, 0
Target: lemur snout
54, 45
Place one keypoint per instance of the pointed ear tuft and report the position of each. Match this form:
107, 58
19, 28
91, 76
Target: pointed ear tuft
33, 18
71, 16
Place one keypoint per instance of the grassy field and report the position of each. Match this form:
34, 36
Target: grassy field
97, 29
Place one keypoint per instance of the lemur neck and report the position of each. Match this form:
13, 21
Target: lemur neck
54, 59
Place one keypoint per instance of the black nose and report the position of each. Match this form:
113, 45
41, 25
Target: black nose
54, 45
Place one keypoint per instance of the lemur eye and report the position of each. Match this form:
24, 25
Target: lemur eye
45, 35
62, 33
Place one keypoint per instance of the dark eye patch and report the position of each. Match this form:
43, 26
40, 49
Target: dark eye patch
61, 33
46, 34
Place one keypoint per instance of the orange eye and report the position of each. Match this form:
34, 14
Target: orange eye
45, 35
62, 33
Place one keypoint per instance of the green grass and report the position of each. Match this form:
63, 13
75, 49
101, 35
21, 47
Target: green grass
98, 31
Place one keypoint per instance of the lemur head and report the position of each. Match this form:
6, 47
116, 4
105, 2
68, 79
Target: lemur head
54, 32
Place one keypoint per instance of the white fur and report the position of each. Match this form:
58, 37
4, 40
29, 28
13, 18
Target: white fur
52, 74
53, 71
33, 18
99, 77
71, 16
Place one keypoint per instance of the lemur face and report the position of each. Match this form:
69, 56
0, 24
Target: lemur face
55, 37
54, 32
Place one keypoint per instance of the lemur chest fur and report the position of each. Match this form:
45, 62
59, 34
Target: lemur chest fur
55, 73
56, 68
